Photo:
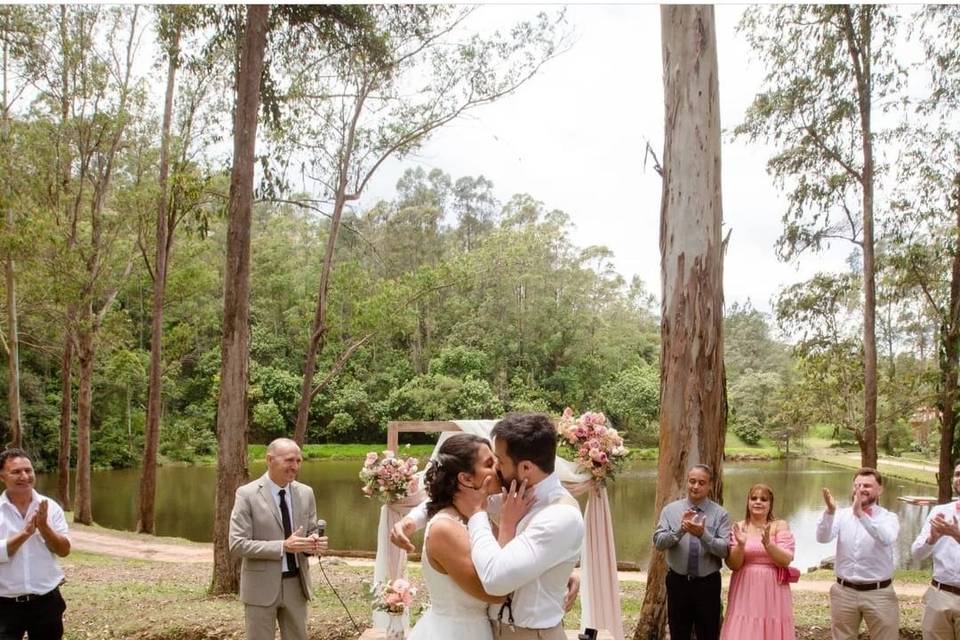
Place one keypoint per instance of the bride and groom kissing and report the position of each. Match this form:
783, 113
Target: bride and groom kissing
512, 579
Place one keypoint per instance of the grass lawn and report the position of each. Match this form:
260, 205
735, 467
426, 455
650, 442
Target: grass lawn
143, 600
344, 451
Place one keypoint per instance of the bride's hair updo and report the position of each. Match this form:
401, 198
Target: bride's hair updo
458, 454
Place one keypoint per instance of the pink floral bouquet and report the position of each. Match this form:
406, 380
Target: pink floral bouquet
595, 446
387, 477
394, 596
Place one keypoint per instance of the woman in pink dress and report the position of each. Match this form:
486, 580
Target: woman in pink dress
759, 607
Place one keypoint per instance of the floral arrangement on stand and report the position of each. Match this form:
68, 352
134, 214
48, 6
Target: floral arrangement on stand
388, 477
595, 446
394, 596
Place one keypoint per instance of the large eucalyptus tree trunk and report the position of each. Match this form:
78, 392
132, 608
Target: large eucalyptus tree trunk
693, 403
235, 343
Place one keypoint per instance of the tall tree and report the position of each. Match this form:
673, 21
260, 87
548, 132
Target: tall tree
829, 69
10, 32
924, 237
693, 407
171, 23
235, 343
365, 113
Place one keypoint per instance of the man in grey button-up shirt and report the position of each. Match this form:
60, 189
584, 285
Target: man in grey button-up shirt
695, 533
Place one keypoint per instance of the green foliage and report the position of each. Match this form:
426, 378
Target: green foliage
187, 441
632, 402
439, 397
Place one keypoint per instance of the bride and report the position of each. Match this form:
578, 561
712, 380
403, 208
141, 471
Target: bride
458, 607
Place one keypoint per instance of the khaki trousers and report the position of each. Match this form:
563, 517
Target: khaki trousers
879, 608
519, 633
941, 615
290, 611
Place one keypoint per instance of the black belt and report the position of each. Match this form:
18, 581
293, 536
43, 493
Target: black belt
949, 588
291, 573
28, 597
864, 586
691, 578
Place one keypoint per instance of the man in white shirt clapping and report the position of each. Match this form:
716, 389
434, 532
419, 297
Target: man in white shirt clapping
940, 537
33, 532
866, 534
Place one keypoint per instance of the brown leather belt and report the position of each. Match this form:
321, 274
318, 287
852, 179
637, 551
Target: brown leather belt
949, 588
864, 586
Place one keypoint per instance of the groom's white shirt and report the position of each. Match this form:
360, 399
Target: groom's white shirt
537, 563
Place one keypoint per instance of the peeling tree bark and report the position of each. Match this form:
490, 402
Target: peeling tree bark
693, 403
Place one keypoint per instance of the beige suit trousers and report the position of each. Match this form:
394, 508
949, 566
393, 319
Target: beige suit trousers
504, 632
290, 611
941, 615
878, 608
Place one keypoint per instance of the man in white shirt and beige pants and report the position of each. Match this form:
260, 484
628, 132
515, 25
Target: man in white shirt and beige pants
940, 538
866, 534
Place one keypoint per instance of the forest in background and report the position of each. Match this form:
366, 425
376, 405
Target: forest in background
444, 302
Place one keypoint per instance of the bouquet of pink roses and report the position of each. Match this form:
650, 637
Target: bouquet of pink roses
394, 596
595, 446
388, 477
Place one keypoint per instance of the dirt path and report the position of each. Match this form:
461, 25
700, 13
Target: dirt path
906, 464
128, 545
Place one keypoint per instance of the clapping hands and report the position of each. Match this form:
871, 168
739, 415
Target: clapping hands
829, 501
692, 523
940, 526
739, 535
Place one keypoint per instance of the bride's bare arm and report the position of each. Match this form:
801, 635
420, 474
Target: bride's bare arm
448, 548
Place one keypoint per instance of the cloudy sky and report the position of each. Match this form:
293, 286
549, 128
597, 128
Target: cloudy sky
574, 138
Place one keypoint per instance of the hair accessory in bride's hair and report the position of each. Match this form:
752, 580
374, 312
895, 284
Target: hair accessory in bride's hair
436, 463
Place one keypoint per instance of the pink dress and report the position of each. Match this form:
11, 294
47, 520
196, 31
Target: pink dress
759, 607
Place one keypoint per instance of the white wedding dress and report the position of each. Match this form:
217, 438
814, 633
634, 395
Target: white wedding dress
453, 612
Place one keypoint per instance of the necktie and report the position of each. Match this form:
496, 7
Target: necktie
287, 528
868, 511
693, 558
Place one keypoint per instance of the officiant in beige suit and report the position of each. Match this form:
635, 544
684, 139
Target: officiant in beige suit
269, 526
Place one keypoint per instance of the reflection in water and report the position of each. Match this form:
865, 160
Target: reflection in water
185, 497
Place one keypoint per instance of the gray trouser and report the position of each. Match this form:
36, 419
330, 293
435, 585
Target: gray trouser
290, 611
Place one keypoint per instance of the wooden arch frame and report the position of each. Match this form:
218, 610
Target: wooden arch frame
396, 427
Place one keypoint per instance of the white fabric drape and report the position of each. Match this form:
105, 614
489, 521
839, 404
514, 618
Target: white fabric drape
599, 586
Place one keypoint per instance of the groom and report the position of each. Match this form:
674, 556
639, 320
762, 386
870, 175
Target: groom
532, 570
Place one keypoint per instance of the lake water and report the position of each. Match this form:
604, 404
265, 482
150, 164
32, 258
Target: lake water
185, 497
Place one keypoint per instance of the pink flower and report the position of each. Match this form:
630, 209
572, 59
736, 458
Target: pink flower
370, 459
568, 413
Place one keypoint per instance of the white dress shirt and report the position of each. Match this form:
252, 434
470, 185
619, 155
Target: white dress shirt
288, 498
537, 563
865, 545
945, 551
33, 568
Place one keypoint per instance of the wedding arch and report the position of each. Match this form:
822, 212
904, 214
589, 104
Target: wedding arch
599, 586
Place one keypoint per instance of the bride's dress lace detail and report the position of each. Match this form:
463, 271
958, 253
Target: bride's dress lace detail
453, 612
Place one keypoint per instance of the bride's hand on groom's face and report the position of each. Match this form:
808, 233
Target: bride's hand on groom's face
517, 501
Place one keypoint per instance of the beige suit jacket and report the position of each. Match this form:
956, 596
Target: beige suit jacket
256, 536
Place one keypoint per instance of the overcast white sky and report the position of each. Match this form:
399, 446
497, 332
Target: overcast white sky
574, 137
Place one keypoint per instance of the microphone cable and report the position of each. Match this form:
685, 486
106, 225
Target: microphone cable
343, 604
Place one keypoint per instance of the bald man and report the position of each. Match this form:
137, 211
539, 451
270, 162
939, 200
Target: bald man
268, 529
